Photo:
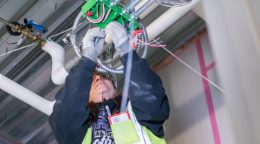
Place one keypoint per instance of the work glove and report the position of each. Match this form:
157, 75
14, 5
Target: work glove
92, 43
119, 37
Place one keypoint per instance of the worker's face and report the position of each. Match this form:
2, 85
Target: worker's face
101, 89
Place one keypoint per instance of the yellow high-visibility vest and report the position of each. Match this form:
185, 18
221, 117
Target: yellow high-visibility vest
131, 132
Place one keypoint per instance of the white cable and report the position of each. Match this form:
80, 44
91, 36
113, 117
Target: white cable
62, 32
107, 14
127, 81
17, 49
99, 19
194, 70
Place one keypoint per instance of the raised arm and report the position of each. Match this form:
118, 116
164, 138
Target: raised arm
70, 114
149, 102
68, 120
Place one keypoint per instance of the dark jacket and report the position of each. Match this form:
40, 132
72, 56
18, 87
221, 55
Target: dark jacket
69, 118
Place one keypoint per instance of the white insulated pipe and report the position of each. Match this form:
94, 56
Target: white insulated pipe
58, 77
58, 72
168, 18
26, 95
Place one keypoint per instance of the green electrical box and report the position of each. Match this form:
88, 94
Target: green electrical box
94, 8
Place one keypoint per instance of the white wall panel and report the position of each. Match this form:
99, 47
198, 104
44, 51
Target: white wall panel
189, 119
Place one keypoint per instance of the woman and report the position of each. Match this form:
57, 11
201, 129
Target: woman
87, 99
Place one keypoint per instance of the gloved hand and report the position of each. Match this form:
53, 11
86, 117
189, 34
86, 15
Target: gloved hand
93, 43
119, 37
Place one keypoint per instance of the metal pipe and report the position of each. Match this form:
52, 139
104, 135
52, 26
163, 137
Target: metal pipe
168, 18
146, 6
26, 95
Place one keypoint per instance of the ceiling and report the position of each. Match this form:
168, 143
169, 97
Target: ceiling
31, 66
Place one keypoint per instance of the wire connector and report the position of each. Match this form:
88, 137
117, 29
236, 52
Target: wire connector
136, 33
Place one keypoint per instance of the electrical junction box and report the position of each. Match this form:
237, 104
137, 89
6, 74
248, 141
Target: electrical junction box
102, 12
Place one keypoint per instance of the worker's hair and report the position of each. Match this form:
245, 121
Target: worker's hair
95, 107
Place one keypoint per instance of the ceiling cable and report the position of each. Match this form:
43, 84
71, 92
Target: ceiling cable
156, 44
194, 70
21, 48
62, 32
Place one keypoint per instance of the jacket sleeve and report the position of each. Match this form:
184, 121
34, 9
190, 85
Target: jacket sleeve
147, 95
68, 119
